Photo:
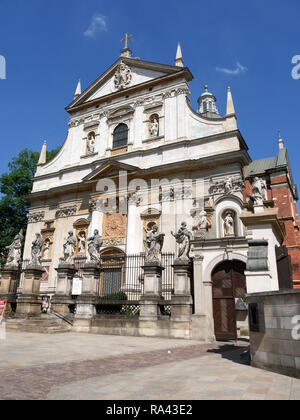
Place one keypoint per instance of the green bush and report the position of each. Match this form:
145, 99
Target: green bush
115, 296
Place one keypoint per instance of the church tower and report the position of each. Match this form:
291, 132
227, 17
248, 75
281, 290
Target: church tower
207, 105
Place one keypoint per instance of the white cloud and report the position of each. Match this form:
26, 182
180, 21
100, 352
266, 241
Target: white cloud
239, 69
98, 23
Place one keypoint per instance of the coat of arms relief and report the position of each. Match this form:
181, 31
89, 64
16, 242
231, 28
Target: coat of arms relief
123, 76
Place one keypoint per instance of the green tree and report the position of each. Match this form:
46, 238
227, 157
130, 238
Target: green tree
15, 185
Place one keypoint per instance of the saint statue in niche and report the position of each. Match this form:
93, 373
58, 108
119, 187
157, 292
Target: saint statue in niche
154, 127
229, 224
81, 242
46, 254
91, 143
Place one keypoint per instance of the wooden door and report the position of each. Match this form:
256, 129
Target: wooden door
229, 282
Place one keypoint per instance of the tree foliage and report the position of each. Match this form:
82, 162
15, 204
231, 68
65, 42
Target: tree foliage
15, 185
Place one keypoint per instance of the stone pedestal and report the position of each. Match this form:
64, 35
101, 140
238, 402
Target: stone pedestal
152, 292
86, 303
181, 299
29, 302
63, 295
9, 282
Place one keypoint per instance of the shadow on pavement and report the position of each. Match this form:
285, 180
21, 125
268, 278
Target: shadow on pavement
237, 352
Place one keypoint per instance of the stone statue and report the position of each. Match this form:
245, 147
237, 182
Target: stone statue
229, 224
69, 247
259, 189
46, 250
154, 129
153, 244
228, 185
123, 76
37, 249
201, 221
94, 244
183, 238
91, 144
81, 243
14, 250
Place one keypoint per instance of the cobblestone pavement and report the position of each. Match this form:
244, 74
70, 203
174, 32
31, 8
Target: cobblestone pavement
83, 366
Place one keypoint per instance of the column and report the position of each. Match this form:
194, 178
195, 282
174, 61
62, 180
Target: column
97, 216
199, 303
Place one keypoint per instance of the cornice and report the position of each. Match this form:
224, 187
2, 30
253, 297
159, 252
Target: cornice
269, 216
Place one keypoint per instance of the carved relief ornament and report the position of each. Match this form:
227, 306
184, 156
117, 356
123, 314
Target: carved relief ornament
36, 217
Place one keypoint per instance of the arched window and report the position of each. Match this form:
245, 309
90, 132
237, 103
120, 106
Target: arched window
120, 136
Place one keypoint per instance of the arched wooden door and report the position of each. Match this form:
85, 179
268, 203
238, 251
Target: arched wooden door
229, 283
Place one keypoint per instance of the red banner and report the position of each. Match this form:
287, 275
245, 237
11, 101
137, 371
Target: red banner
2, 308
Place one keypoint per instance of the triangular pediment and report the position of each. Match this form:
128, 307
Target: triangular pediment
123, 75
110, 169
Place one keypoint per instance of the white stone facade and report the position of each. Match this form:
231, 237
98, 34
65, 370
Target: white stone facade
207, 153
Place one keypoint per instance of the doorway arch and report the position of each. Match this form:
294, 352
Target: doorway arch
228, 283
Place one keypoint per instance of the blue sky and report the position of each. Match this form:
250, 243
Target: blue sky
249, 45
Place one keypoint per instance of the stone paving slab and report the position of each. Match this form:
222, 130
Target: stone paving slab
84, 366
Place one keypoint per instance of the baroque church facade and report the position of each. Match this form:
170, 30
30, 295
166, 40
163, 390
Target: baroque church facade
138, 155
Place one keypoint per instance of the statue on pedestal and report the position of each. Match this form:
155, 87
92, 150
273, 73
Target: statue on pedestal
183, 238
153, 244
259, 189
37, 249
94, 245
14, 250
69, 248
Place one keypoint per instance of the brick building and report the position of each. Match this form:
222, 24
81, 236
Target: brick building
282, 192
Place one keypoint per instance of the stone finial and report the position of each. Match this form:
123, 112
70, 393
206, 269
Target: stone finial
179, 59
43, 154
230, 106
78, 90
280, 141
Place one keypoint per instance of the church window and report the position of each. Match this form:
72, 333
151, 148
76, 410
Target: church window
120, 136
204, 106
210, 106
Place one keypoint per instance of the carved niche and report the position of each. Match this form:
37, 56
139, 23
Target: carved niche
48, 237
150, 218
81, 227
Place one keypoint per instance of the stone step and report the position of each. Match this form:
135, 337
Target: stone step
38, 325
